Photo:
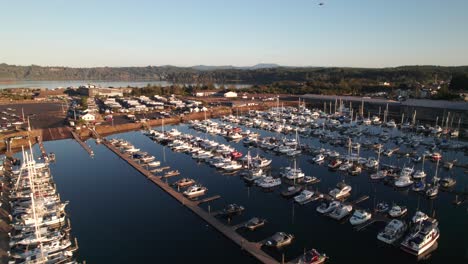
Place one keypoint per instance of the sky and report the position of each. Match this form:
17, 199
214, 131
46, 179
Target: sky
352, 33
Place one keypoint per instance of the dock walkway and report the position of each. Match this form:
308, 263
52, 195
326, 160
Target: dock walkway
251, 247
78, 139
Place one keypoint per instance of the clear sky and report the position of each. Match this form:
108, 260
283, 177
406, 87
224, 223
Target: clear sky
356, 33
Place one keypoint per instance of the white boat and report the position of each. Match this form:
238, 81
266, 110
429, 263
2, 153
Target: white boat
392, 232
421, 238
360, 217
372, 163
403, 181
154, 164
341, 211
328, 207
174, 132
319, 158
232, 166
397, 211
304, 196
279, 240
340, 191
419, 174
269, 182
260, 162
195, 190
419, 217
379, 175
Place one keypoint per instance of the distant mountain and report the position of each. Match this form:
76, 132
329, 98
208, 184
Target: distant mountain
264, 66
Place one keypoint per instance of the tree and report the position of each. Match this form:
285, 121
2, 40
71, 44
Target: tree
84, 102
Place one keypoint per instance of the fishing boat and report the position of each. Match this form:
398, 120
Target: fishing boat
393, 231
279, 240
312, 257
422, 237
360, 217
255, 223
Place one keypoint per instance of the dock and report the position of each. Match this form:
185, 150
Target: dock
250, 247
209, 199
81, 142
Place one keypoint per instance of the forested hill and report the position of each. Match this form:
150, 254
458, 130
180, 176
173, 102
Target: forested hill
225, 75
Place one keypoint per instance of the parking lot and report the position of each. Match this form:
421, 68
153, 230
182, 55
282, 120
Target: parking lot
41, 115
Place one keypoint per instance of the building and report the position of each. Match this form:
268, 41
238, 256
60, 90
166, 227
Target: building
230, 94
91, 91
205, 93
88, 117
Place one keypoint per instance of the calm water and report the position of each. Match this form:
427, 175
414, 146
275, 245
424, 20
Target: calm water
65, 84
120, 217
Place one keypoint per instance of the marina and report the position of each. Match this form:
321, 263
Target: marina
226, 186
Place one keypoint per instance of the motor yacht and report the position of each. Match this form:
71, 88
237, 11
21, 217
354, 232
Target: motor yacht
291, 191
422, 237
319, 158
419, 186
312, 257
403, 181
255, 223
232, 209
195, 190
304, 196
419, 217
393, 231
382, 207
379, 175
341, 211
341, 190
325, 208
185, 182
360, 217
397, 211
279, 240
269, 182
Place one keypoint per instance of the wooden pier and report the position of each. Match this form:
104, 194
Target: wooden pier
251, 247
78, 139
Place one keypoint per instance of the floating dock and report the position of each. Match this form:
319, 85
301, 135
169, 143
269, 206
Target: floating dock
252, 248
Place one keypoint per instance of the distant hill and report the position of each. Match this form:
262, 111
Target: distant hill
257, 74
227, 67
